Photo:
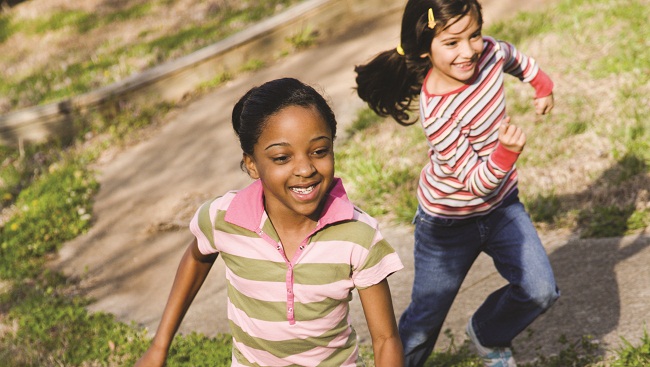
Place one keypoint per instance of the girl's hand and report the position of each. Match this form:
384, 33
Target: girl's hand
154, 357
512, 137
543, 105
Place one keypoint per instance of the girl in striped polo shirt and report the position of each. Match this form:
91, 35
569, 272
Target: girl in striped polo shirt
294, 246
467, 193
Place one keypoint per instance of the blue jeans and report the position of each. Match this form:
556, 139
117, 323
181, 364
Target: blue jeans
444, 251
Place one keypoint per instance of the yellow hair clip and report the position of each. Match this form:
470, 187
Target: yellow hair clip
432, 19
399, 50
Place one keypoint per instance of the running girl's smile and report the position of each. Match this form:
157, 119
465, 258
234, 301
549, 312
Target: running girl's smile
294, 159
454, 54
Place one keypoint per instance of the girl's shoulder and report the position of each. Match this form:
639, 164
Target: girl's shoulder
491, 44
221, 202
489, 39
207, 209
362, 217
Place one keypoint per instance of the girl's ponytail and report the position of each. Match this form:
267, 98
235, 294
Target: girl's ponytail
392, 80
388, 85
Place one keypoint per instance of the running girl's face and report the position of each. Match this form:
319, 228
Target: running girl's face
294, 158
454, 54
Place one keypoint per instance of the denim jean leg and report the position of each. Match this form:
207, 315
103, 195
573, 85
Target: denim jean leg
444, 251
520, 258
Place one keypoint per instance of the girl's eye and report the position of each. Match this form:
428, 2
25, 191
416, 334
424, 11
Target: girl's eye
321, 152
280, 159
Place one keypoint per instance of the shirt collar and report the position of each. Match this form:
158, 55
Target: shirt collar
247, 207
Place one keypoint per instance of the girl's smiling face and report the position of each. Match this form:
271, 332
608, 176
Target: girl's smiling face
294, 158
454, 55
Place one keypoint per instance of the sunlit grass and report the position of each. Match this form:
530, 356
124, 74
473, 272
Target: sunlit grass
380, 166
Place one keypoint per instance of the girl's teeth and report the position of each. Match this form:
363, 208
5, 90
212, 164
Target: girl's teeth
302, 191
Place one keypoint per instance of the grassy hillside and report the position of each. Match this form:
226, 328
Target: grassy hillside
51, 49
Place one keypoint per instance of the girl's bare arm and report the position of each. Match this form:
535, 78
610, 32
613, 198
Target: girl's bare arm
378, 308
192, 271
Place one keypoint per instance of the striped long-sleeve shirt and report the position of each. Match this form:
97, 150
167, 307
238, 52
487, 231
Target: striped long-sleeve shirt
469, 173
293, 312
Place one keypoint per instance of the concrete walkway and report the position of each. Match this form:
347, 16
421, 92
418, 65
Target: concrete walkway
128, 259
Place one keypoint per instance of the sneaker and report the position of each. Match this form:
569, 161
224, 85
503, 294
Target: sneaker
492, 357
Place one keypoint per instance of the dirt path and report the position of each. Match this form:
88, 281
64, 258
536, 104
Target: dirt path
128, 259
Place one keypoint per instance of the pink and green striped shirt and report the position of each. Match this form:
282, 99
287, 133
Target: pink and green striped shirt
293, 312
468, 172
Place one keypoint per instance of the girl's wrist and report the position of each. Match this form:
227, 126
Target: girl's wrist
503, 157
542, 84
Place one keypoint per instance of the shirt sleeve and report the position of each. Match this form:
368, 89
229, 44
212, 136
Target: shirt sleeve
458, 165
202, 226
526, 69
379, 262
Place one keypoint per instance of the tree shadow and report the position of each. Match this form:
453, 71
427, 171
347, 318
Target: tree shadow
588, 267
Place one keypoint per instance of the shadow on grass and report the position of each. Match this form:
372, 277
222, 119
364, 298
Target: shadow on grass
590, 268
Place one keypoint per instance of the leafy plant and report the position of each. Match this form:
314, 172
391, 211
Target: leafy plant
630, 355
54, 209
54, 328
609, 221
198, 350
303, 39
543, 208
580, 353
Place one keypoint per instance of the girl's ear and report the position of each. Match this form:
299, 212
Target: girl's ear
250, 166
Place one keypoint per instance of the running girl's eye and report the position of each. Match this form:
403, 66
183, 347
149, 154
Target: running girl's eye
321, 152
477, 34
282, 159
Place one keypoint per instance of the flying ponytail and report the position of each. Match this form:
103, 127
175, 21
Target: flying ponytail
393, 79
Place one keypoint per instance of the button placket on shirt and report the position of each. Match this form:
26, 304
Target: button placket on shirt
289, 279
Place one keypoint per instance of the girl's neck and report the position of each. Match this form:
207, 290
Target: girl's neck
293, 222
434, 85
292, 231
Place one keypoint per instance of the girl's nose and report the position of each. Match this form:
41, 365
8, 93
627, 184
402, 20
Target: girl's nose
467, 50
304, 167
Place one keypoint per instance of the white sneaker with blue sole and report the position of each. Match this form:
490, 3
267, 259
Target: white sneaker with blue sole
492, 357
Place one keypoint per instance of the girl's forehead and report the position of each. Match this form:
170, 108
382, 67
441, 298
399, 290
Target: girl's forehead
458, 25
295, 121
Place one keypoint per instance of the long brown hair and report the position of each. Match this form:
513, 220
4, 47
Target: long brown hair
390, 81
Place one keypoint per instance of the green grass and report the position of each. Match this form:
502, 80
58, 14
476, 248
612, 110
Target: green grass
381, 174
78, 70
53, 209
304, 39
365, 118
630, 355
51, 325
6, 27
603, 57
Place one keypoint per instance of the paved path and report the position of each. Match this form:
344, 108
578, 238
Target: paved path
128, 259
